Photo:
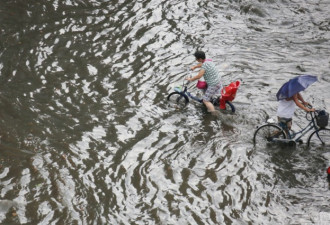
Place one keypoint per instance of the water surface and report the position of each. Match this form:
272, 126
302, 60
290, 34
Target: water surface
87, 136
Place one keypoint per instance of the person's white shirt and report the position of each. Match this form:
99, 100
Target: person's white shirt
286, 109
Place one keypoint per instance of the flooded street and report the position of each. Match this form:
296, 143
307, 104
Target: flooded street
87, 135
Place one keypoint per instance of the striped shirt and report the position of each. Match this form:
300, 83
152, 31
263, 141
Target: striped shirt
211, 75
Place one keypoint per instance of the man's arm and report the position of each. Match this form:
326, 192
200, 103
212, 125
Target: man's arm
301, 104
199, 65
198, 76
300, 98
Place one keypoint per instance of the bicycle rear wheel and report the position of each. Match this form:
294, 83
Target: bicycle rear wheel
320, 137
266, 134
179, 99
229, 106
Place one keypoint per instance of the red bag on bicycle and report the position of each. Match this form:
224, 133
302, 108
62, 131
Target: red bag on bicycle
201, 84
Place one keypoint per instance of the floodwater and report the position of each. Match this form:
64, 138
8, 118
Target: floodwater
87, 136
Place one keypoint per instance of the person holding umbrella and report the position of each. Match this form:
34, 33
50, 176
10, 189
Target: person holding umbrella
289, 97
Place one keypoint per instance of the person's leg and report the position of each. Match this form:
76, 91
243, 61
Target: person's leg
285, 124
210, 91
289, 124
209, 106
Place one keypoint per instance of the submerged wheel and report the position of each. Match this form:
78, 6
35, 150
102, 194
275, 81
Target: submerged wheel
230, 106
179, 99
320, 137
266, 133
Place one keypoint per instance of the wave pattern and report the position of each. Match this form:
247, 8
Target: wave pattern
86, 134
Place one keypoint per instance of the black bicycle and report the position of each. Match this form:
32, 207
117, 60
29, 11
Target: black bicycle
181, 96
278, 133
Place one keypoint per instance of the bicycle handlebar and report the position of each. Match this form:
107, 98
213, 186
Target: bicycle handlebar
312, 113
186, 82
309, 113
309, 106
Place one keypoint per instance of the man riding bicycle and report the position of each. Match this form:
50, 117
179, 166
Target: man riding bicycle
211, 76
286, 109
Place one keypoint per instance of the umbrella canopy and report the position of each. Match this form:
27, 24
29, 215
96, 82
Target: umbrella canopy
295, 85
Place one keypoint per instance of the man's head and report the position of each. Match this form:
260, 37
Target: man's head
199, 55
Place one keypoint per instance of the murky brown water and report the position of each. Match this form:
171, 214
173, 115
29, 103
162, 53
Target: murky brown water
87, 136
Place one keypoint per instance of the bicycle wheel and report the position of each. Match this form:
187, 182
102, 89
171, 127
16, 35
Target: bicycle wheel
230, 106
320, 137
266, 134
179, 99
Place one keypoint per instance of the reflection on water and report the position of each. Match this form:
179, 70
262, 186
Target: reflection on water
87, 136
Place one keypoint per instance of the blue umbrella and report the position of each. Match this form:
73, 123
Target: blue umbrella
295, 85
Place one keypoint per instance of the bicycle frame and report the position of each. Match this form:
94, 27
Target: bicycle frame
291, 136
216, 101
185, 92
303, 131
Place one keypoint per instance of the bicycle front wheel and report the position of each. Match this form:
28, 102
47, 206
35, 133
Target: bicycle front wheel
179, 99
267, 134
320, 137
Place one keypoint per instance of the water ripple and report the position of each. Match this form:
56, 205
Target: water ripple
87, 136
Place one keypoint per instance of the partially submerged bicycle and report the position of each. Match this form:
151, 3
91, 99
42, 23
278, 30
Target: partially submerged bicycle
272, 132
181, 96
